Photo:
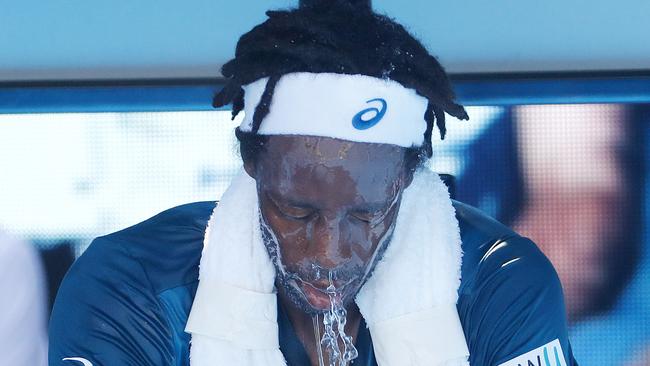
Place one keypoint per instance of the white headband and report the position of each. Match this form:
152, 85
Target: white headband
356, 108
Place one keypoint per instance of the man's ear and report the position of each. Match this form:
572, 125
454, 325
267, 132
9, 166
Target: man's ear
249, 162
249, 167
408, 177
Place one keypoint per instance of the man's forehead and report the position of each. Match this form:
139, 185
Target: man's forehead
330, 151
304, 166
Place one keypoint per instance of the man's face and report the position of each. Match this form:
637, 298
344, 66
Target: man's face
328, 209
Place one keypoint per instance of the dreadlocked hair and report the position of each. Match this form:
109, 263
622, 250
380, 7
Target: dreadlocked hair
335, 36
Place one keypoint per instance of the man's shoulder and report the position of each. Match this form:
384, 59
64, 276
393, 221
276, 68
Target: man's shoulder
165, 249
478, 230
132, 290
496, 256
190, 217
490, 246
510, 299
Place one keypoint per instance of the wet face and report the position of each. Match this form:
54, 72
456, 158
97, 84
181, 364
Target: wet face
328, 209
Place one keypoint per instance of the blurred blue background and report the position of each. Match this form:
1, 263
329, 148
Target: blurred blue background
82, 39
105, 120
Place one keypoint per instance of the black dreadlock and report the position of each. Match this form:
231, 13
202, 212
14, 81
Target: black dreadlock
335, 36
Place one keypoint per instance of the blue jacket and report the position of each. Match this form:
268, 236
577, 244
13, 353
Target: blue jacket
125, 301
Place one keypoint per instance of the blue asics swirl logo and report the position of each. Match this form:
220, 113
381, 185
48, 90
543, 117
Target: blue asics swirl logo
363, 124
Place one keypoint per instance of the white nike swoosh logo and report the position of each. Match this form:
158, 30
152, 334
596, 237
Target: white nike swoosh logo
79, 359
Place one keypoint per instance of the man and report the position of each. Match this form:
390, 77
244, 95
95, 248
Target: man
334, 245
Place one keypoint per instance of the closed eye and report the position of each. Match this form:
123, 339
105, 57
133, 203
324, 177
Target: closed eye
374, 216
296, 213
371, 217
292, 211
365, 216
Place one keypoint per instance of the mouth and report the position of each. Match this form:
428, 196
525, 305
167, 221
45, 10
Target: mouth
317, 298
317, 294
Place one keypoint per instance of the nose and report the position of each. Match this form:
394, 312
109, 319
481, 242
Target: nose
330, 244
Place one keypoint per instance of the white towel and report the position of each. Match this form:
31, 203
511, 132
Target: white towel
409, 303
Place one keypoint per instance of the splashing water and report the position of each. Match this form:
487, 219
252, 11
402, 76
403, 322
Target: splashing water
334, 321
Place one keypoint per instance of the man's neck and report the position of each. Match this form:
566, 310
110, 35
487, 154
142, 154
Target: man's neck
302, 324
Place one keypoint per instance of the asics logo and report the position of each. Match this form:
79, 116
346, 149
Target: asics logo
83, 361
361, 123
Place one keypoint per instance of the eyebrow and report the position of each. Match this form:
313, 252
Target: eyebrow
278, 198
372, 207
381, 206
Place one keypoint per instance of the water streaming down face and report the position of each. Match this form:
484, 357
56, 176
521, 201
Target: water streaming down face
334, 321
335, 317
